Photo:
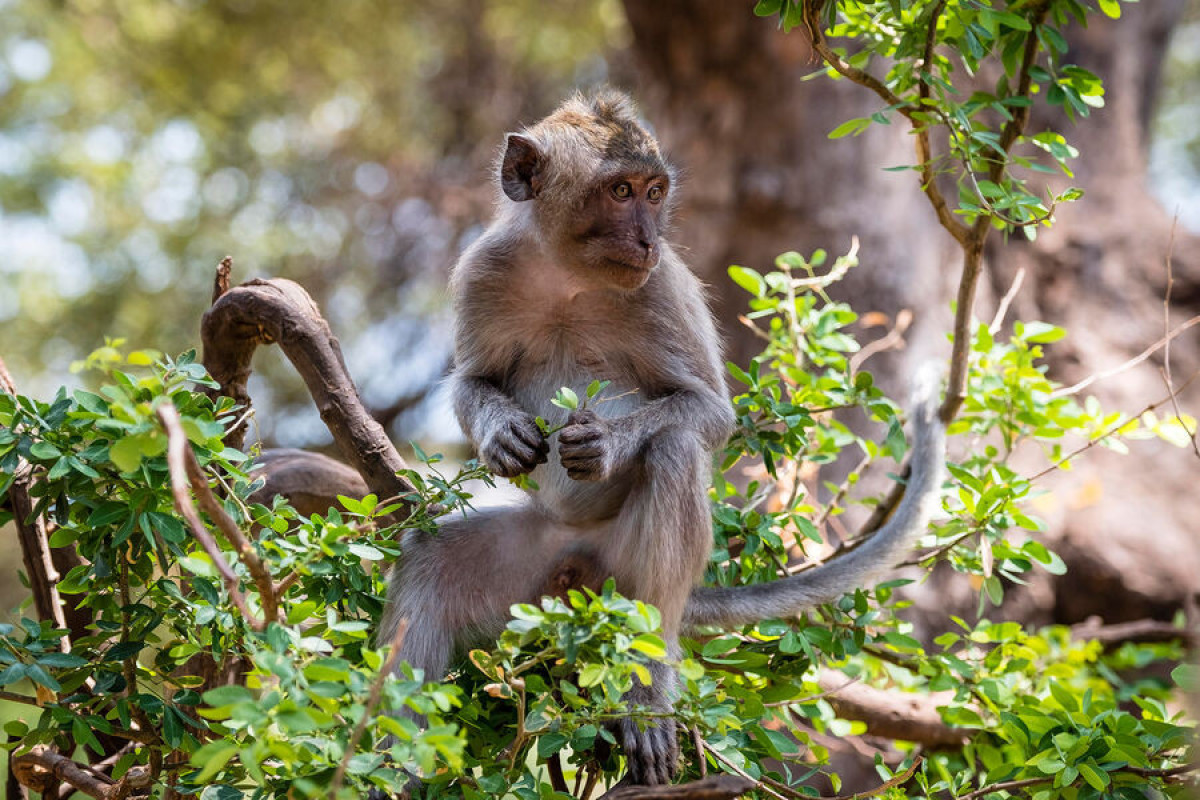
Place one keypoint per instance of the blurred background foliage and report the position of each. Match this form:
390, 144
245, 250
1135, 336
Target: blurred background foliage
344, 146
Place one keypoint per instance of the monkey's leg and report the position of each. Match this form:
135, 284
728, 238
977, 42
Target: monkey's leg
461, 581
659, 548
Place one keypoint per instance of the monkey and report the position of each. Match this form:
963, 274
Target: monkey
572, 281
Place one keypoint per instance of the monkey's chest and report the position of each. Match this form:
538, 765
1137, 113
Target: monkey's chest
534, 386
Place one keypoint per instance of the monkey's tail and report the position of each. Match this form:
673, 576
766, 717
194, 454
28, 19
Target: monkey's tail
744, 605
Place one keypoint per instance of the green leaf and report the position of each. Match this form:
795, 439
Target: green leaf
566, 398
651, 645
749, 280
1096, 778
596, 387
850, 127
228, 696
221, 792
212, 758
126, 454
44, 451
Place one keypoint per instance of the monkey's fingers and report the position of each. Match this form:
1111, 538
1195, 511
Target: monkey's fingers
652, 754
509, 457
585, 469
589, 449
574, 434
582, 417
529, 433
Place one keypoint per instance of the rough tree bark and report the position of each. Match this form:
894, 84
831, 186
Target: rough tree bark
727, 92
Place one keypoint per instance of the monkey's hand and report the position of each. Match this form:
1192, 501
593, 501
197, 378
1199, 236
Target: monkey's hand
590, 447
513, 445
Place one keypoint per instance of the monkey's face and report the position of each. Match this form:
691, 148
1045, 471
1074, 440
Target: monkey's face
602, 210
615, 239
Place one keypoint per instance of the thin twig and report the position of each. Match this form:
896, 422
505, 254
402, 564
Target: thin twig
896, 780
698, 741
177, 451
1133, 362
1165, 773
893, 339
216, 512
759, 782
339, 777
1112, 430
812, 698
1004, 786
1166, 367
1006, 301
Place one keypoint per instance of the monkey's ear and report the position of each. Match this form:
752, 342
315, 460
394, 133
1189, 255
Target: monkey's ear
521, 169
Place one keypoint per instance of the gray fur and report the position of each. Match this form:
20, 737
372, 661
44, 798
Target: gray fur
539, 307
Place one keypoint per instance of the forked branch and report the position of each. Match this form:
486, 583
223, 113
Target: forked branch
279, 311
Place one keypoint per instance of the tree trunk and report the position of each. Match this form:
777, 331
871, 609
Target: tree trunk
728, 94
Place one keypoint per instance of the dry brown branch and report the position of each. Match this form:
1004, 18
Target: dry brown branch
1133, 362
899, 779
1006, 301
1113, 430
907, 716
216, 512
698, 742
716, 787
178, 452
894, 339
33, 537
280, 311
741, 773
221, 279
42, 769
339, 777
1166, 367
1142, 630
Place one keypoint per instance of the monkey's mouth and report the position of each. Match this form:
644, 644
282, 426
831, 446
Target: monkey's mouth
637, 264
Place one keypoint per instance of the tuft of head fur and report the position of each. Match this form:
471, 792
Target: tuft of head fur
588, 132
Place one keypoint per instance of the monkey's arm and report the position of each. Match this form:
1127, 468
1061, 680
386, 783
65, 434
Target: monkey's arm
682, 372
593, 448
508, 440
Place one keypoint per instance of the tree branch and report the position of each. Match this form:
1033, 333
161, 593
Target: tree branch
33, 537
339, 776
280, 311
907, 716
715, 787
180, 459
42, 769
1142, 630
1095, 440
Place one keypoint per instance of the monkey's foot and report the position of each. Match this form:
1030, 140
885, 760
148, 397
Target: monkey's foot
651, 753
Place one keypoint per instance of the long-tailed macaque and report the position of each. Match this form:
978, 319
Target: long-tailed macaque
573, 281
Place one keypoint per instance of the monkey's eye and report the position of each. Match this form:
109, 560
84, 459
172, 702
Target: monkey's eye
655, 194
622, 190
